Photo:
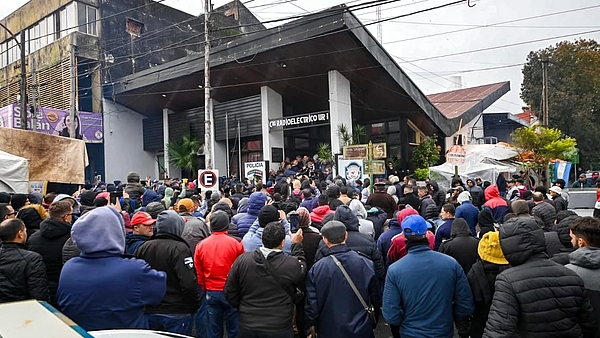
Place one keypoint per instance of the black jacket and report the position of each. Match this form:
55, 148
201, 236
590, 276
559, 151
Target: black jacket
264, 304
482, 277
536, 297
22, 274
559, 203
311, 245
356, 241
49, 242
546, 213
69, 250
553, 244
171, 254
438, 196
428, 209
562, 229
485, 221
412, 200
462, 246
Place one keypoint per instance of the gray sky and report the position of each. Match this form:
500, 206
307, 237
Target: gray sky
422, 42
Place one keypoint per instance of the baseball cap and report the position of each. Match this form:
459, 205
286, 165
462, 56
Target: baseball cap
556, 189
143, 218
581, 175
595, 174
414, 225
187, 203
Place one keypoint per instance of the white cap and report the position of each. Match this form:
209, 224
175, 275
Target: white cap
556, 189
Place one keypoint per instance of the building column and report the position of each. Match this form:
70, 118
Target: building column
340, 109
171, 170
271, 107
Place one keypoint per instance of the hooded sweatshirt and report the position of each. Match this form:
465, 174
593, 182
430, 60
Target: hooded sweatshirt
586, 263
365, 226
462, 246
241, 211
84, 281
167, 251
467, 211
168, 197
496, 204
256, 201
485, 221
438, 196
149, 197
356, 241
32, 215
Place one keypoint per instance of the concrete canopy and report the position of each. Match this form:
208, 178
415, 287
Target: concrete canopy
293, 59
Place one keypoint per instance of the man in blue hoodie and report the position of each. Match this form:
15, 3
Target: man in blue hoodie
467, 211
253, 239
256, 202
425, 291
102, 290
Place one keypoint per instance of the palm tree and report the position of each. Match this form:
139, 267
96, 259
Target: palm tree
183, 153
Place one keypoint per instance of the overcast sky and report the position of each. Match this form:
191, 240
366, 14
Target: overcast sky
422, 43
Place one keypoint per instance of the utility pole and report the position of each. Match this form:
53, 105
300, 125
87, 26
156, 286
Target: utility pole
545, 121
23, 83
73, 106
208, 160
379, 27
34, 95
545, 90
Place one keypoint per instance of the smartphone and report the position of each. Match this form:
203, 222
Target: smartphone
294, 220
113, 197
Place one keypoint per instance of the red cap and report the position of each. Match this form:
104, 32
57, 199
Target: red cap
141, 217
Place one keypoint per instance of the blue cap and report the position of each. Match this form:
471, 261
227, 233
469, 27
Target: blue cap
414, 226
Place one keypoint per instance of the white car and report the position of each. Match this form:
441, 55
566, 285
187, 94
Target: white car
134, 334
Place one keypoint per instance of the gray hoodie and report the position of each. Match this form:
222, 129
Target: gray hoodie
100, 231
170, 222
365, 226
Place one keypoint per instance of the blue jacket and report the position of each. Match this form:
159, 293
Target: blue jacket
133, 241
84, 281
469, 213
424, 292
256, 202
310, 203
443, 232
253, 238
385, 240
332, 306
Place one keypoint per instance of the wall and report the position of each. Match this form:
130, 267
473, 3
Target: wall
123, 144
470, 131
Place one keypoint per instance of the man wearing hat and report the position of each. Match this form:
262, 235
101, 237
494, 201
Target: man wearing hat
559, 202
426, 291
142, 224
582, 182
380, 198
481, 278
327, 289
594, 178
213, 259
195, 229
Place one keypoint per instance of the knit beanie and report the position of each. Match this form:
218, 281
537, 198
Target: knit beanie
489, 249
267, 215
219, 221
154, 209
133, 177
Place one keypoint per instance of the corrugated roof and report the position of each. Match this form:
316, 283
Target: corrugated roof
526, 115
455, 103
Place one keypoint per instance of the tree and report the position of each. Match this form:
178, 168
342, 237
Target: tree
538, 145
424, 155
574, 92
183, 153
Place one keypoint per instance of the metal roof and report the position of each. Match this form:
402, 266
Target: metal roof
457, 103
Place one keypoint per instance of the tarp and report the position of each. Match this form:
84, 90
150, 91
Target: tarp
14, 173
51, 158
444, 173
497, 152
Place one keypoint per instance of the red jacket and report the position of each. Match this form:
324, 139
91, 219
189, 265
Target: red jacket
319, 212
398, 247
213, 259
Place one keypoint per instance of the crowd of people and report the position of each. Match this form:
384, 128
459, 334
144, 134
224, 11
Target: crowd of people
307, 254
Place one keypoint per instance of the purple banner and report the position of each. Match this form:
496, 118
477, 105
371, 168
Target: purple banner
56, 122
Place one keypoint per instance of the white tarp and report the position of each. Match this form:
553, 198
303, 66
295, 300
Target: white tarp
14, 173
497, 152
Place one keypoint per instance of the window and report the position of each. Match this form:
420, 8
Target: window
86, 19
50, 29
68, 20
43, 36
3, 55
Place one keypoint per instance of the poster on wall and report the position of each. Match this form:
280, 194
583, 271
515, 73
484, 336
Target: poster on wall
88, 126
254, 170
351, 170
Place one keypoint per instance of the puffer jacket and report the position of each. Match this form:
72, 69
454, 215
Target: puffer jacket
534, 286
256, 202
586, 263
496, 204
461, 246
482, 277
356, 241
194, 231
22, 274
428, 209
378, 217
49, 242
562, 229
438, 196
32, 215
546, 212
135, 192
